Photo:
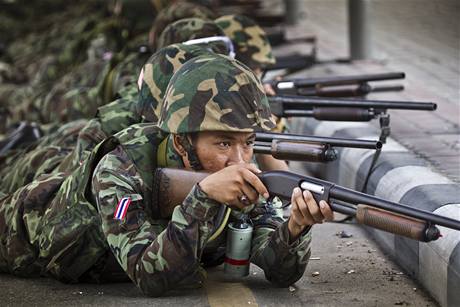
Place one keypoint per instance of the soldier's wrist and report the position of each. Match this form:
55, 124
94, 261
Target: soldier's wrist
199, 205
295, 230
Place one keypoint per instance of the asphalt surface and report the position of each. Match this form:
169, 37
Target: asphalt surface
342, 272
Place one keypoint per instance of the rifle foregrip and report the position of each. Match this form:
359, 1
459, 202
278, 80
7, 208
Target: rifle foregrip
302, 151
396, 223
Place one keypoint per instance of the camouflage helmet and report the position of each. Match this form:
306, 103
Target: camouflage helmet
214, 93
138, 13
251, 43
155, 76
191, 29
174, 12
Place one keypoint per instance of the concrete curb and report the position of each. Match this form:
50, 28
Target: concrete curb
399, 176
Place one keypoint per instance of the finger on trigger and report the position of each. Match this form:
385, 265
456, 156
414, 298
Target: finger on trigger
256, 183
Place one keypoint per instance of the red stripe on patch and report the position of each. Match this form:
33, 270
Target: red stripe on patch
125, 210
122, 208
236, 262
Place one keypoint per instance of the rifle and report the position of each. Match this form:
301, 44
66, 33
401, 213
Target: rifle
360, 90
278, 37
24, 135
294, 62
336, 109
339, 109
295, 147
341, 86
269, 20
173, 185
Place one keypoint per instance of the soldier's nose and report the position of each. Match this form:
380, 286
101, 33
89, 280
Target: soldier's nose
236, 157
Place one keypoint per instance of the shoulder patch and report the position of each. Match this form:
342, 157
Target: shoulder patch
122, 208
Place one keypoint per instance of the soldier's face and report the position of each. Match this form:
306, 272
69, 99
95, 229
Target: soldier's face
217, 150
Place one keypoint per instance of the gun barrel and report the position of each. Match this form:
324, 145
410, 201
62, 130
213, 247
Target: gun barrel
334, 142
340, 80
281, 183
297, 151
355, 197
295, 61
300, 102
334, 114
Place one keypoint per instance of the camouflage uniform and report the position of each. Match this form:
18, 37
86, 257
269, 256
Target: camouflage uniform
66, 148
250, 40
191, 28
77, 94
135, 106
252, 47
69, 220
174, 12
21, 167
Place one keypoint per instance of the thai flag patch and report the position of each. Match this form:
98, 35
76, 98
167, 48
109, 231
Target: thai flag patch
122, 208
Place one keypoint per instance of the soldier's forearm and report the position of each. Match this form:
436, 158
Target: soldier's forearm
283, 263
173, 259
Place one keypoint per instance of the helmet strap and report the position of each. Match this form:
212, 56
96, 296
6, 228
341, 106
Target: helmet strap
191, 152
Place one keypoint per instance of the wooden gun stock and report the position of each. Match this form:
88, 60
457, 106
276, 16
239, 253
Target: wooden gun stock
171, 187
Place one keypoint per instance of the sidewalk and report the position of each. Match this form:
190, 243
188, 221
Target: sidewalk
419, 37
420, 164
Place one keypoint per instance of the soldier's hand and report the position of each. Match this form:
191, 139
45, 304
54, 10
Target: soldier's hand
269, 91
306, 212
236, 185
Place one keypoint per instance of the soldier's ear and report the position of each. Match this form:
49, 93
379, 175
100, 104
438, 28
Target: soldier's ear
178, 146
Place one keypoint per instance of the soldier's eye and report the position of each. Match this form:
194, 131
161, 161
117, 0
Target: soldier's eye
224, 144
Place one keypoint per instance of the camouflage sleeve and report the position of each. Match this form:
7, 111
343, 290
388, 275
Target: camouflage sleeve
156, 255
283, 263
88, 137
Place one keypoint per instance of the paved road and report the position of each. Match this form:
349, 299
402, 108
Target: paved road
352, 272
419, 37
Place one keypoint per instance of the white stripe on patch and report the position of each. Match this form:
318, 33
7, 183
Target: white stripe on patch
398, 181
352, 158
122, 208
328, 128
434, 256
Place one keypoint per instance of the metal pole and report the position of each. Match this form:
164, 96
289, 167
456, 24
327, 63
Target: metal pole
292, 11
359, 27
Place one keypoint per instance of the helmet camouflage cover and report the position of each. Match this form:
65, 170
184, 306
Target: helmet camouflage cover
174, 12
139, 13
250, 40
157, 72
192, 28
215, 93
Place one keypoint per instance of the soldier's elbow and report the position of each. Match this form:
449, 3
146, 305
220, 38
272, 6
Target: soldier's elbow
153, 286
284, 280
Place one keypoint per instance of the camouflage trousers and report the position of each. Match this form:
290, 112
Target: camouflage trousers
42, 233
20, 216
